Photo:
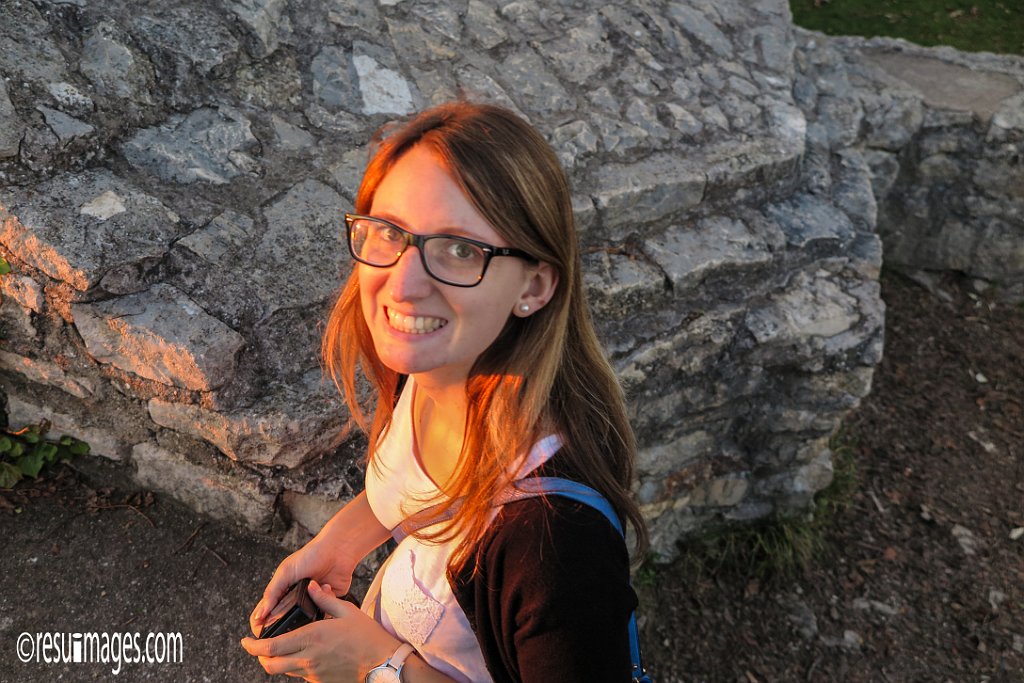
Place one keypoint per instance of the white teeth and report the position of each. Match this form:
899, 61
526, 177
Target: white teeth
414, 324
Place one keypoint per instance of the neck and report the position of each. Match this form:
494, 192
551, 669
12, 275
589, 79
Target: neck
439, 415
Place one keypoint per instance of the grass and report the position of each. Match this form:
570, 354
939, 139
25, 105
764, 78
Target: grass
776, 548
974, 26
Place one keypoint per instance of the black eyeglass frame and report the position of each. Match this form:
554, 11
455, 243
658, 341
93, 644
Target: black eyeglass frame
420, 241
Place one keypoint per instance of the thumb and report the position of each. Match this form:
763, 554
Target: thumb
325, 599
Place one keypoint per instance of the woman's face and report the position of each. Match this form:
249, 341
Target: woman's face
424, 327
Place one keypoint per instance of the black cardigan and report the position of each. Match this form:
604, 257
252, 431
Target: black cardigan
550, 600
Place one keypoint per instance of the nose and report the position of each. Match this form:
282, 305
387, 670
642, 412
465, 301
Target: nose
408, 279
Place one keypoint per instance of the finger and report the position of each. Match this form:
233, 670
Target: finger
282, 665
280, 582
325, 599
258, 617
278, 646
258, 620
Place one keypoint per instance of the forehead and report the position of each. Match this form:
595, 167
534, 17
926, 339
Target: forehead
420, 194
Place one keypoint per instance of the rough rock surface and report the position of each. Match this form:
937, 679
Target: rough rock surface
940, 133
179, 183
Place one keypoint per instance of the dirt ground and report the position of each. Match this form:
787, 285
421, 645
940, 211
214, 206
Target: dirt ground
924, 582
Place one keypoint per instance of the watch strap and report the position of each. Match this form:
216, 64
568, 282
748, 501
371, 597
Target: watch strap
393, 665
397, 660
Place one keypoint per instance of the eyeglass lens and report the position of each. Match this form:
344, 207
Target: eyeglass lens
451, 259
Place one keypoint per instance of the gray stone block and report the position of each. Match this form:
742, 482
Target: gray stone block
114, 68
335, 81
300, 257
66, 128
383, 88
210, 145
30, 54
23, 290
11, 126
619, 284
646, 192
289, 427
222, 241
161, 335
234, 497
267, 21
312, 512
581, 52
532, 84
690, 254
483, 25
63, 230
478, 85
291, 137
946, 85
696, 25
70, 98
359, 15
1008, 119
806, 219
45, 372
811, 306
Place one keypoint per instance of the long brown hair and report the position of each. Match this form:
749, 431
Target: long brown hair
545, 373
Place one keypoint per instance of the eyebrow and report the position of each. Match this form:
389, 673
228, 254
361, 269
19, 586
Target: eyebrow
454, 231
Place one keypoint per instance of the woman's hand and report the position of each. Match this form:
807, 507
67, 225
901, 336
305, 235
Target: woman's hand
330, 557
314, 560
342, 647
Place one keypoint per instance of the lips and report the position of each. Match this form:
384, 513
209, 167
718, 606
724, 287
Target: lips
414, 324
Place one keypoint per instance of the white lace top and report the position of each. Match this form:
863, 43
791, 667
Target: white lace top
416, 601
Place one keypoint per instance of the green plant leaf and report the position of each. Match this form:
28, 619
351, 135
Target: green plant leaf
9, 475
66, 440
31, 464
5, 444
30, 437
48, 451
17, 449
5, 267
79, 448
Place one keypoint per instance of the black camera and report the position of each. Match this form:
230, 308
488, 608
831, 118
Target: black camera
296, 609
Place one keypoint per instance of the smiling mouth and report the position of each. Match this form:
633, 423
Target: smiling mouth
414, 324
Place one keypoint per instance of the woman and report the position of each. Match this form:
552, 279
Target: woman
468, 284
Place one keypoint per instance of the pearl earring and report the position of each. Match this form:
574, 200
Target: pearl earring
525, 308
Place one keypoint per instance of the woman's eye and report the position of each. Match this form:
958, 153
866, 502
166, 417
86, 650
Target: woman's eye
462, 251
389, 234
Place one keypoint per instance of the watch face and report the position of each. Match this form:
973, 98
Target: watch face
382, 674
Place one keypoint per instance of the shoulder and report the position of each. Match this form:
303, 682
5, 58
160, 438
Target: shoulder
555, 554
550, 595
555, 527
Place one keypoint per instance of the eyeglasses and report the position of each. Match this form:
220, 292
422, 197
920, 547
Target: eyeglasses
453, 260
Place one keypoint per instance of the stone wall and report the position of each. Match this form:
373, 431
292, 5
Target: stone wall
172, 177
941, 134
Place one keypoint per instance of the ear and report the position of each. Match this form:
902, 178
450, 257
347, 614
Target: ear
542, 281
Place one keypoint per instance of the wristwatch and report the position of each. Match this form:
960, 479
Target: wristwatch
391, 670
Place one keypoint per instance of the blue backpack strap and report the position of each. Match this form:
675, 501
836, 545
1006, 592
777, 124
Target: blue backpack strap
556, 486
